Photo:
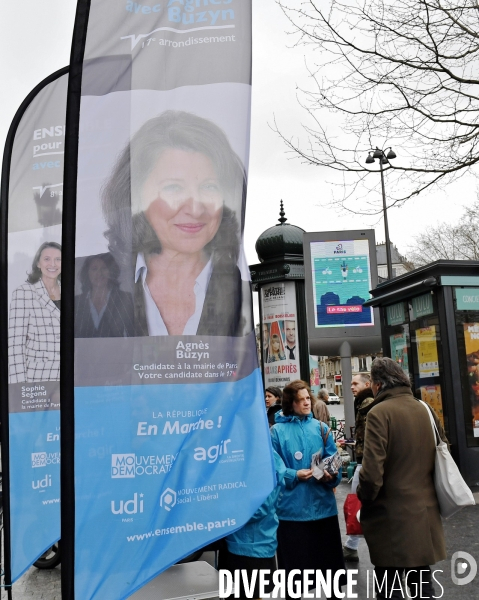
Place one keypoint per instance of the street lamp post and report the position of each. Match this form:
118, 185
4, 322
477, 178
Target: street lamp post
384, 160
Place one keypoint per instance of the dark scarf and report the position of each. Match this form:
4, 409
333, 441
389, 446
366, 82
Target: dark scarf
361, 396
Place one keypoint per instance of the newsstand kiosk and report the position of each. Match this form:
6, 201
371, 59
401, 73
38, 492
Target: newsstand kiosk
430, 326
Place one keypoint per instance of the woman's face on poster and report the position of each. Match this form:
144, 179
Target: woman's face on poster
50, 263
182, 199
98, 273
275, 344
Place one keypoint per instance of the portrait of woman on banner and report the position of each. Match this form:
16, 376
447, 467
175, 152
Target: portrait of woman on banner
34, 320
172, 206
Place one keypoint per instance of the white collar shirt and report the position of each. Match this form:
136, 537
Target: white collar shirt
156, 325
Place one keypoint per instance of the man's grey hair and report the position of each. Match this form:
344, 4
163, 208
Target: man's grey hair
323, 395
389, 374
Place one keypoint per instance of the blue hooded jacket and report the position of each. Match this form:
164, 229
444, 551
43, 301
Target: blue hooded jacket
258, 537
296, 440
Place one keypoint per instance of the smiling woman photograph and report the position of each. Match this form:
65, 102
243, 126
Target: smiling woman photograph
34, 320
275, 349
170, 206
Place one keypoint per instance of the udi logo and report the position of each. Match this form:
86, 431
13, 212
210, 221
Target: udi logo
129, 507
41, 484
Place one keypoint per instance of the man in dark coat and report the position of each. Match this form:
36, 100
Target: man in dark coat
400, 512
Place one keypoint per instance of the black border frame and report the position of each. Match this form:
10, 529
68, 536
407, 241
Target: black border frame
67, 357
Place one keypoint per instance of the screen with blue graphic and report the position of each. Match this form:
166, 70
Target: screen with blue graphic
341, 283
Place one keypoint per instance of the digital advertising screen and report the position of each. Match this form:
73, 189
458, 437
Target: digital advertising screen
341, 280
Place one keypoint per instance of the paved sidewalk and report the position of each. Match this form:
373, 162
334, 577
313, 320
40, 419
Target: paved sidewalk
462, 533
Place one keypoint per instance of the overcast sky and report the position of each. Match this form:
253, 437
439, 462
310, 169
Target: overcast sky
35, 41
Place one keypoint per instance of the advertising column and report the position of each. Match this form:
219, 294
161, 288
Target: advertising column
172, 447
32, 190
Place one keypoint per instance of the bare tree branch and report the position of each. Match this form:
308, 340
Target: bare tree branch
448, 241
403, 74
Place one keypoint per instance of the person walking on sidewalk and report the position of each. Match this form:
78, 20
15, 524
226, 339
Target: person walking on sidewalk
320, 407
363, 396
400, 512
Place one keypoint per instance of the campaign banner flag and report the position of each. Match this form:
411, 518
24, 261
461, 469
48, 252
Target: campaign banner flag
172, 447
32, 188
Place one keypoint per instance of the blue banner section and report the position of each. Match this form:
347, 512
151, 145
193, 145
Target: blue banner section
35, 485
163, 470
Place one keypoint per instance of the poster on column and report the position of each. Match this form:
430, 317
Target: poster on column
399, 350
172, 445
280, 341
427, 352
471, 338
34, 287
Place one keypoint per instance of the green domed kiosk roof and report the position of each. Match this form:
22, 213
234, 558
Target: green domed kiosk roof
282, 240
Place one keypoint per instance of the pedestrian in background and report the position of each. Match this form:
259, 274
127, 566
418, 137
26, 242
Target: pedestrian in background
272, 397
320, 408
308, 532
254, 545
363, 396
400, 512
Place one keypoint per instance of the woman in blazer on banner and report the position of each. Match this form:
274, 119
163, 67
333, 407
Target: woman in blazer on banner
34, 321
172, 205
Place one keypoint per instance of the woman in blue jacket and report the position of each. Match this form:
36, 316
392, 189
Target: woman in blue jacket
254, 545
308, 532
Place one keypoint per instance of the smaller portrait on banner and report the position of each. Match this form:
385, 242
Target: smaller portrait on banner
34, 320
102, 309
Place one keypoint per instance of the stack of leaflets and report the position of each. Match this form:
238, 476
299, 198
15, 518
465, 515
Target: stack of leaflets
331, 464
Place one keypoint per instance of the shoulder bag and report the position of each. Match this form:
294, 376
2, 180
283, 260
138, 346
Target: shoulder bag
452, 491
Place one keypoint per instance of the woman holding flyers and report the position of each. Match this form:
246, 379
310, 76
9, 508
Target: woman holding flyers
34, 321
308, 532
171, 206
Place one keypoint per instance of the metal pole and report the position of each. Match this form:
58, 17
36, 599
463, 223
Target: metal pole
347, 375
386, 227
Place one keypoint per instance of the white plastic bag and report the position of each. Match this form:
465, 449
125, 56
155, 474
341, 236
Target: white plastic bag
452, 491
